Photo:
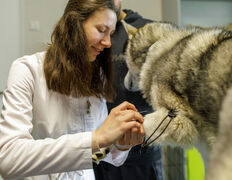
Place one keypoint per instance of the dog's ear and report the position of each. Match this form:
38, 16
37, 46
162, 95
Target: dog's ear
131, 30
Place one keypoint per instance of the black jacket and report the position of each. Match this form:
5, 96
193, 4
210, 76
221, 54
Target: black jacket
119, 41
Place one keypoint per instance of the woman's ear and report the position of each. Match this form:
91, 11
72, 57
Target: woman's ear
131, 30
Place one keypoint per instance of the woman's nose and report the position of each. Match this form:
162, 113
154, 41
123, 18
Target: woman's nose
106, 41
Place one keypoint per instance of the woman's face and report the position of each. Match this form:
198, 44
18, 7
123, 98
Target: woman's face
98, 28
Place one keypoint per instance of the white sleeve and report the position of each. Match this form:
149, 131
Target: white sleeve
20, 154
116, 157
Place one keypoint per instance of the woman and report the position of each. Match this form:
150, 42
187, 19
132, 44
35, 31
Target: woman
54, 112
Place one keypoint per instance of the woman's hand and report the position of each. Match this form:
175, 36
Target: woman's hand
122, 126
131, 138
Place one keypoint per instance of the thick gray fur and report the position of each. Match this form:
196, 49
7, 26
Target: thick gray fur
188, 71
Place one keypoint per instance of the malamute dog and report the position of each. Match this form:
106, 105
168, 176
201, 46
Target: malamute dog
186, 75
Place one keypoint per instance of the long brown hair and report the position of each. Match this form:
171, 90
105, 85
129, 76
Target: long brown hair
67, 67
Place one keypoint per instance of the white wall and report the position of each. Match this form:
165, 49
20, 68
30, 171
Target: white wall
206, 13
10, 36
40, 17
151, 9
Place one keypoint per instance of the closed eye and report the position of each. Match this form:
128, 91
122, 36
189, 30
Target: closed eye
101, 31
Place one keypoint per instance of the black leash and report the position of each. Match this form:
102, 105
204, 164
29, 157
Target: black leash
171, 114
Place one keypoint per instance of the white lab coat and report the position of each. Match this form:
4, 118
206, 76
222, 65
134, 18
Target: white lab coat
43, 132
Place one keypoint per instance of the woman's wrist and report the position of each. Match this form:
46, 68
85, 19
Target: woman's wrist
95, 143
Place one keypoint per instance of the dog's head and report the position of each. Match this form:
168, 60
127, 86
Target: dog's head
139, 42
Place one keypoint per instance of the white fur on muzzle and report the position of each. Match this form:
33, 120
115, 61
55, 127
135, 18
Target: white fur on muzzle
131, 83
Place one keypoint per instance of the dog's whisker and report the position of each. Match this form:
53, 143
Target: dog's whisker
143, 111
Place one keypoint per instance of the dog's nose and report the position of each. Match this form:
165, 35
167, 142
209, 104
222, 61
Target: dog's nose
131, 85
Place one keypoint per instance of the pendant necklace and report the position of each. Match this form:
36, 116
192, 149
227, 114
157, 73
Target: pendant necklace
88, 106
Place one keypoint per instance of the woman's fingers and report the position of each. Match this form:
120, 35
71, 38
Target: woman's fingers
141, 135
127, 138
130, 115
133, 136
127, 112
137, 136
123, 125
126, 105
